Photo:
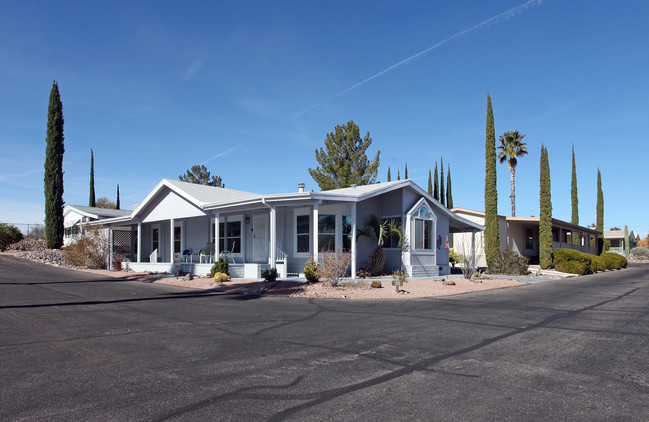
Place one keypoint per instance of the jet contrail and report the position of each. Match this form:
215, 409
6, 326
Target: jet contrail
501, 17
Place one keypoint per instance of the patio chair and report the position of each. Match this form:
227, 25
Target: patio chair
227, 255
196, 254
187, 254
208, 254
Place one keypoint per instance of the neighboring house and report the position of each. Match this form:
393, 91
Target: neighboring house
618, 242
196, 223
521, 234
75, 217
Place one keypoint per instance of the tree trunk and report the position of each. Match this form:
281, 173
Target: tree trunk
513, 196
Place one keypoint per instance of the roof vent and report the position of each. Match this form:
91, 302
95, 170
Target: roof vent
300, 187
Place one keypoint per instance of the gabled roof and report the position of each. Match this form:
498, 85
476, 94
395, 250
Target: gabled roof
616, 234
95, 212
212, 198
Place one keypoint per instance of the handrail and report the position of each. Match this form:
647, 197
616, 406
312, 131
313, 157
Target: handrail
280, 255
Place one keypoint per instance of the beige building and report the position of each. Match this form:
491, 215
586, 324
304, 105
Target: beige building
521, 234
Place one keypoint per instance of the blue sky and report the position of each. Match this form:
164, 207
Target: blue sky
251, 88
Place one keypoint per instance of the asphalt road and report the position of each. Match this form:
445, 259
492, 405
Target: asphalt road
75, 346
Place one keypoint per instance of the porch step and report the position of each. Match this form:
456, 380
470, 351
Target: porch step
425, 271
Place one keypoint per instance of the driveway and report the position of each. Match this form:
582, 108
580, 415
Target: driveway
76, 346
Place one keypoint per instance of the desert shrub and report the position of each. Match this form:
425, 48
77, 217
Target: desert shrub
571, 261
376, 284
220, 266
376, 262
509, 262
36, 232
332, 267
269, 274
311, 271
597, 263
9, 234
220, 277
614, 261
363, 274
640, 253
117, 262
453, 257
88, 251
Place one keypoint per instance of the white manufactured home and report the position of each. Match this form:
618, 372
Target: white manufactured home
191, 225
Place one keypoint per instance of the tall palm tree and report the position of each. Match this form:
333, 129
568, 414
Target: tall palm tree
512, 146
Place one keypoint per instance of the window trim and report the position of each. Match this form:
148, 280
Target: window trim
300, 212
400, 219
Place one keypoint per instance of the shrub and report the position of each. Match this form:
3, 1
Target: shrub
640, 253
376, 262
597, 263
88, 251
376, 284
221, 277
220, 266
269, 274
509, 262
311, 271
333, 266
9, 234
453, 257
614, 261
571, 261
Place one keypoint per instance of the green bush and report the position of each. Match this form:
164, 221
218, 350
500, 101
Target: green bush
311, 271
220, 266
509, 262
614, 261
9, 234
571, 261
269, 274
597, 263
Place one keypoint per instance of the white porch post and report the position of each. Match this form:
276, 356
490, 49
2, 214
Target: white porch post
111, 242
217, 251
273, 237
354, 241
473, 254
139, 242
171, 236
315, 233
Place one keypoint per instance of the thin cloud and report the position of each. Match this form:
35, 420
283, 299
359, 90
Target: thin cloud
501, 17
223, 153
194, 67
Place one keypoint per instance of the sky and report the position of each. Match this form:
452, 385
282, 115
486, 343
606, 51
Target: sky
251, 88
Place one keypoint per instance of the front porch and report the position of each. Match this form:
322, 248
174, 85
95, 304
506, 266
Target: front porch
250, 270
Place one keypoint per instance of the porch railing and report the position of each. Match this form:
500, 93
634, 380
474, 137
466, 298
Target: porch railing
281, 256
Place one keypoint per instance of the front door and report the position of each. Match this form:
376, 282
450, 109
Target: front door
260, 237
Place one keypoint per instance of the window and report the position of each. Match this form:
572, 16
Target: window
529, 238
423, 234
155, 236
327, 233
347, 233
177, 235
230, 235
303, 242
393, 240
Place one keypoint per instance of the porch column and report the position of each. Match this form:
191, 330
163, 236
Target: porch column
171, 236
354, 241
111, 246
273, 237
473, 254
217, 226
315, 233
139, 242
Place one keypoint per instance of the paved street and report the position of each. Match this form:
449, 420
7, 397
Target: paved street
76, 346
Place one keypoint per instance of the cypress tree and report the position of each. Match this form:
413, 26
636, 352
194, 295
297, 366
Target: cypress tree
492, 235
573, 191
54, 171
600, 204
398, 175
117, 202
91, 201
449, 194
442, 194
389, 175
430, 184
626, 241
406, 174
436, 184
545, 221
